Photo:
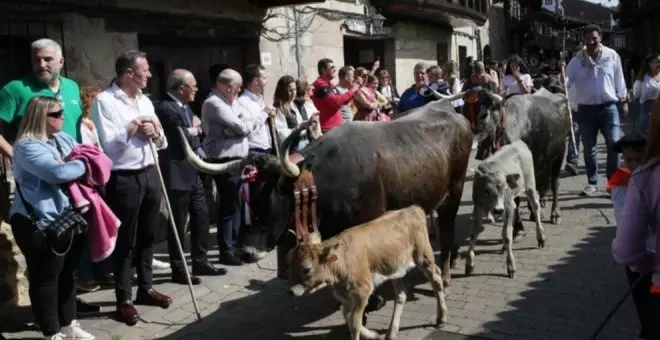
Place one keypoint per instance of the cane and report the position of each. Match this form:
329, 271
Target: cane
174, 231
273, 133
616, 307
570, 111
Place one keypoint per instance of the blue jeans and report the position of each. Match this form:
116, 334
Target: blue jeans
571, 155
644, 115
592, 119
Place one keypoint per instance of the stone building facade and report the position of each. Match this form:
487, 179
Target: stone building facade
195, 34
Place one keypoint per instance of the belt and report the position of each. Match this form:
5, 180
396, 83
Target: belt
259, 150
133, 171
597, 105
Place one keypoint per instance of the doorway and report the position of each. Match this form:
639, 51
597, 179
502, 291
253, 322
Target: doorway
364, 52
442, 52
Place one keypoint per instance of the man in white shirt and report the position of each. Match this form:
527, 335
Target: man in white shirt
126, 124
596, 77
227, 129
260, 142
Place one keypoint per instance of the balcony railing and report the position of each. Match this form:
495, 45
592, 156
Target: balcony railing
437, 10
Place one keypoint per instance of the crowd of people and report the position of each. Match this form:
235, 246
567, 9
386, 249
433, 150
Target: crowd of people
50, 123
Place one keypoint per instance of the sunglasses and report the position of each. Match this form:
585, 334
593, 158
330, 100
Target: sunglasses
56, 114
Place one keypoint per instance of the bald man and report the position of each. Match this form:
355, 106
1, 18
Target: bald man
227, 129
183, 182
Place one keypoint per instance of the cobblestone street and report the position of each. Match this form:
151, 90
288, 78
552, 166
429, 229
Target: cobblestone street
563, 291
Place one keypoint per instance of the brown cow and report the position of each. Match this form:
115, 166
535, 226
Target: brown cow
359, 259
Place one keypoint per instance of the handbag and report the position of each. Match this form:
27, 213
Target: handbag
68, 224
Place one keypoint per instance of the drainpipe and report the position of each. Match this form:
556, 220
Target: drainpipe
297, 32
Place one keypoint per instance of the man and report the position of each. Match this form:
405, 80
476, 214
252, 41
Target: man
436, 82
346, 75
596, 76
184, 184
260, 141
127, 124
415, 96
227, 130
326, 98
552, 68
46, 80
213, 72
47, 63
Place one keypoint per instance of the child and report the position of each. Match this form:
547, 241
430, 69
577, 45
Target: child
632, 149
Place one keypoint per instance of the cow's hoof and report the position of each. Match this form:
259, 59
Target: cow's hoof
469, 270
541, 243
446, 283
440, 322
511, 273
556, 220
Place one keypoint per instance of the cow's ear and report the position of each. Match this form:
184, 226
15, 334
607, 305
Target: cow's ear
512, 180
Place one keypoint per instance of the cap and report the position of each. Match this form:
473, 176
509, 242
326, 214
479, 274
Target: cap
633, 140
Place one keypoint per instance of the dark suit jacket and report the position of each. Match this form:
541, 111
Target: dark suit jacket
178, 173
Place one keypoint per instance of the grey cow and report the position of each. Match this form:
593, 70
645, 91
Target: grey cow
498, 181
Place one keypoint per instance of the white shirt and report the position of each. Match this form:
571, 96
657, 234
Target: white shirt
253, 108
597, 83
648, 89
510, 85
112, 112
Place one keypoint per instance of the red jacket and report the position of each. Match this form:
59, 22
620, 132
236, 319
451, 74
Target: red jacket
328, 101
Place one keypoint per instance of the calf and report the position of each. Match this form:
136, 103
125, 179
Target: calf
498, 181
359, 259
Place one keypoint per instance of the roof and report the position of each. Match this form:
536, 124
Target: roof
588, 12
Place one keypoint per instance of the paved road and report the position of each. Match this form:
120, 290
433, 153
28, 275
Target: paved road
560, 292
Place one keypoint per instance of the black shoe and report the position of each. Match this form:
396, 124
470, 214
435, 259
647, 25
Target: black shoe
180, 278
207, 269
572, 169
84, 308
230, 258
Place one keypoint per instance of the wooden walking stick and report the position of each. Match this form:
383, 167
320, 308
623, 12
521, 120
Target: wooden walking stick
174, 230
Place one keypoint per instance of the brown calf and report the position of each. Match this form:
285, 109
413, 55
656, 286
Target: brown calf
359, 259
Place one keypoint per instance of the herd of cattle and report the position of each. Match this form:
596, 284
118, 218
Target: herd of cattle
377, 182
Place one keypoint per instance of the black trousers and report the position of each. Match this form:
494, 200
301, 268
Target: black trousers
191, 202
134, 196
646, 304
51, 278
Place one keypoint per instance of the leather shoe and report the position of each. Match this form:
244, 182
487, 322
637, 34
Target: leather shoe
127, 314
230, 258
152, 297
180, 278
207, 269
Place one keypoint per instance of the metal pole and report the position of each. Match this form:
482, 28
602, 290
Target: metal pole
174, 230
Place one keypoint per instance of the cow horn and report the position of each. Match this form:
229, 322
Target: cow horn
288, 167
441, 96
202, 166
495, 97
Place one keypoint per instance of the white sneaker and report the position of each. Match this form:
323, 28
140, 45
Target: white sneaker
58, 336
74, 331
160, 264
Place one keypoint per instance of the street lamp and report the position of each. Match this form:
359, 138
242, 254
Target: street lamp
378, 20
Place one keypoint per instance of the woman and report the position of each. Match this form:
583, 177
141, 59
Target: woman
304, 103
87, 128
367, 102
636, 235
482, 78
646, 89
516, 79
40, 171
289, 116
386, 87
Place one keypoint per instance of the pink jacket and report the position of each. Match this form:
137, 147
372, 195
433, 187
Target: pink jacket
102, 222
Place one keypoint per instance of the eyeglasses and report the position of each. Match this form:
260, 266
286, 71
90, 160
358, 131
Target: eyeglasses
56, 114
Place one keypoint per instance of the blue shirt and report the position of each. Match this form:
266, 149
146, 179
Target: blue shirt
598, 84
411, 99
39, 175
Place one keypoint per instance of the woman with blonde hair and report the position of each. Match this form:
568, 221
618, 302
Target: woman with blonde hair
38, 211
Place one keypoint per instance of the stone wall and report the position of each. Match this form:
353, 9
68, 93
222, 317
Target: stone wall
13, 283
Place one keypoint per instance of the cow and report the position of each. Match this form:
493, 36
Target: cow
498, 181
551, 83
420, 157
542, 121
361, 258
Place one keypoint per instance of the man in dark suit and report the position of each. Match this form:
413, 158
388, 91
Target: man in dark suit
184, 184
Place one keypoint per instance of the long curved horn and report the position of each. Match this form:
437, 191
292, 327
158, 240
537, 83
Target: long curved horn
202, 166
288, 167
495, 97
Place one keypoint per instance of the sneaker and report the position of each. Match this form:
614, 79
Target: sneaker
572, 169
58, 336
160, 264
590, 191
74, 331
